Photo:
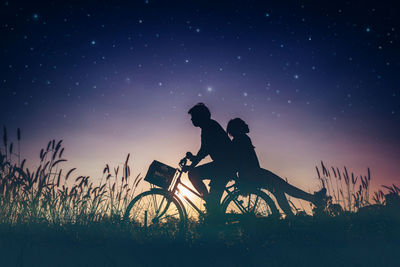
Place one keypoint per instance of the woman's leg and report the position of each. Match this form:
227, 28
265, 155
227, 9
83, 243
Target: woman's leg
280, 184
283, 203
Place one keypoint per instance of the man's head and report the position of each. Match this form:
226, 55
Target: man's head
200, 114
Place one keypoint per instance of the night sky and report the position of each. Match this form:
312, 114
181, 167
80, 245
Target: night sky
314, 81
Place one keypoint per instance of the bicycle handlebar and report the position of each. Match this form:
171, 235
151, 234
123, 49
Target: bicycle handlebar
183, 162
189, 155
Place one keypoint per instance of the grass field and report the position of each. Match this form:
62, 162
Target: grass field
351, 240
48, 217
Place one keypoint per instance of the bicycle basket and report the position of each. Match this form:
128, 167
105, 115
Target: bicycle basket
160, 174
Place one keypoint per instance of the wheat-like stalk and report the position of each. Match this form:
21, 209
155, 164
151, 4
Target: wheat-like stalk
48, 194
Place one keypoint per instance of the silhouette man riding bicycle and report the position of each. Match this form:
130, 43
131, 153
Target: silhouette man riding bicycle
215, 143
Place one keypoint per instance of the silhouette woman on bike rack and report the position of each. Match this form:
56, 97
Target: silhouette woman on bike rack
251, 174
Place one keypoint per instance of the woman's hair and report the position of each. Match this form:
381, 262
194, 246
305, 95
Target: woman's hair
237, 126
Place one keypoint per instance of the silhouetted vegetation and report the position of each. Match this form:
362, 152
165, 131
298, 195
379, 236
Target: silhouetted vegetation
48, 195
48, 217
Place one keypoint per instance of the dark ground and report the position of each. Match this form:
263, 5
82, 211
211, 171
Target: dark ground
306, 241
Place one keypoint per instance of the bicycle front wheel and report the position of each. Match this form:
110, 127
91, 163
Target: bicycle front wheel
241, 206
156, 210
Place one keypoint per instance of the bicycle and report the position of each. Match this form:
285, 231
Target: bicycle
163, 208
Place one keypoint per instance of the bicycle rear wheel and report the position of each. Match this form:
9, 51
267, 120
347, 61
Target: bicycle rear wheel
253, 205
156, 210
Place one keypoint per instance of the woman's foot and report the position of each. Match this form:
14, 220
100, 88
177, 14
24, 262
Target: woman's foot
320, 198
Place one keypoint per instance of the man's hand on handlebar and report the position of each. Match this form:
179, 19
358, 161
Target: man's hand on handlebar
182, 162
187, 168
190, 156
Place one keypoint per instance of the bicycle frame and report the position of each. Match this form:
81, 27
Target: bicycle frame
174, 190
234, 204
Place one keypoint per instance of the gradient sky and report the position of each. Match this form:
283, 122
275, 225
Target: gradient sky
314, 81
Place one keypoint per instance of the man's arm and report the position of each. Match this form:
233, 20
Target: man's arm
194, 159
200, 155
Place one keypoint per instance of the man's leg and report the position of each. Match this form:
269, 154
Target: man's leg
221, 175
195, 177
217, 186
216, 173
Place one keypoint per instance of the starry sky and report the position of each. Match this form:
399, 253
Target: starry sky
315, 80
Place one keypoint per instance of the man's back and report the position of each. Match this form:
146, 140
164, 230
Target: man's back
216, 143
